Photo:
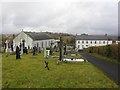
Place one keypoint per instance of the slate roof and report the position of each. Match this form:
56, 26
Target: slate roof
38, 35
91, 37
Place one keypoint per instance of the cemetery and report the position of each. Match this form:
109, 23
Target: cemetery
60, 67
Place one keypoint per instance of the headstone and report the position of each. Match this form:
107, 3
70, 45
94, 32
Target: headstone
17, 53
39, 50
6, 46
21, 49
44, 52
48, 52
26, 50
12, 48
51, 50
34, 50
65, 49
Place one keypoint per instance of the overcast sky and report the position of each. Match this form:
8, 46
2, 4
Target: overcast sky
69, 16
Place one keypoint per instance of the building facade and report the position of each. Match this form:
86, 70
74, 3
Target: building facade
31, 39
85, 41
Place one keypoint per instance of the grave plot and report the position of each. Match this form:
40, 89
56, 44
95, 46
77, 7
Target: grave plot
65, 52
70, 54
30, 72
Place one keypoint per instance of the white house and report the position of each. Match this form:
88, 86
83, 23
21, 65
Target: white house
85, 41
38, 39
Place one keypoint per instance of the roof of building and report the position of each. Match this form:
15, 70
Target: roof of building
91, 37
38, 35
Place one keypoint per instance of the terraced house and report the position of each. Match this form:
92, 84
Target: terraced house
85, 41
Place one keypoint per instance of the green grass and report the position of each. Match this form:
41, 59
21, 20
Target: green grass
0, 72
29, 72
105, 58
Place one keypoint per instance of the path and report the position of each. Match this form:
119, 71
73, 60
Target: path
111, 69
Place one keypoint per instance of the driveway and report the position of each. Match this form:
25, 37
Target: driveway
109, 68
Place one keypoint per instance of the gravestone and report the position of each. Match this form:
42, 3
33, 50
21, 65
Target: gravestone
26, 50
12, 48
51, 50
48, 52
21, 49
7, 49
65, 49
45, 53
17, 53
34, 50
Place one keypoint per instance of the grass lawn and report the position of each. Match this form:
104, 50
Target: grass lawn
29, 72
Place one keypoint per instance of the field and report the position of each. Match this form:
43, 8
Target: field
29, 72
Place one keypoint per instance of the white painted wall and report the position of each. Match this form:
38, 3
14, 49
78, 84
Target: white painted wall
20, 37
46, 43
80, 44
117, 42
29, 41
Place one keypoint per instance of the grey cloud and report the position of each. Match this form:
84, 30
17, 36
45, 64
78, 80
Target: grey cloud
72, 17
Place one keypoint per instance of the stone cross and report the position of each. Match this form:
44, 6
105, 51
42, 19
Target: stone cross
6, 46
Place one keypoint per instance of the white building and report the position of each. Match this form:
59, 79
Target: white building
38, 39
85, 41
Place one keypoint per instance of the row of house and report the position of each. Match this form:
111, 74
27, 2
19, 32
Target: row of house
43, 40
85, 41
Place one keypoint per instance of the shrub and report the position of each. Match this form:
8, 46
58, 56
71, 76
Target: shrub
107, 51
112, 51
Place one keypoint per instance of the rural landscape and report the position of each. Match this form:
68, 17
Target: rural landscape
60, 44
30, 71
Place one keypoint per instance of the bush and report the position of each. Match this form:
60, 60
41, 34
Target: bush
111, 51
107, 51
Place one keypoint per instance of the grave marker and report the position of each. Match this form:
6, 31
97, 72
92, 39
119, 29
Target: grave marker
6, 50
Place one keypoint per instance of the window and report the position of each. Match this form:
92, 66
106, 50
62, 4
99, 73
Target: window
78, 41
82, 41
49, 43
86, 45
46, 44
42, 44
91, 42
95, 42
37, 44
99, 42
103, 42
86, 41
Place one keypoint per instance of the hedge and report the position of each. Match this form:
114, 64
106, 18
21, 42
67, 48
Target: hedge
111, 51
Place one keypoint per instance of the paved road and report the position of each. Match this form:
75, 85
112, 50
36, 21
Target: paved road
109, 68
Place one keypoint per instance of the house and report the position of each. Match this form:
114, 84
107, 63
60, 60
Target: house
85, 41
31, 39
